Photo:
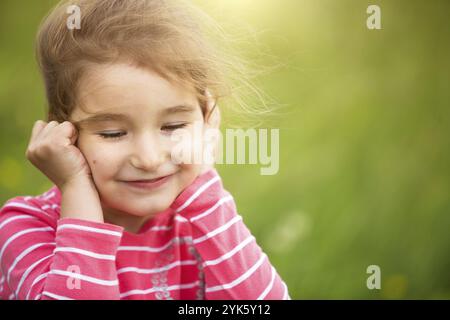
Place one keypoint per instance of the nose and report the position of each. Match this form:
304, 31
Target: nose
148, 152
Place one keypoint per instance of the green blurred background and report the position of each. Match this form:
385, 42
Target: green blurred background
364, 173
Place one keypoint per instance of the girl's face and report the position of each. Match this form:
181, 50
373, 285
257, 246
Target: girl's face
129, 139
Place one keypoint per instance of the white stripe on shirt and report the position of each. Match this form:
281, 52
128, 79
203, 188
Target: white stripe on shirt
24, 216
155, 249
214, 207
23, 254
21, 233
52, 206
84, 277
86, 253
218, 230
197, 193
55, 296
48, 195
90, 229
229, 253
36, 280
237, 281
286, 293
269, 287
27, 272
160, 228
160, 289
160, 269
14, 204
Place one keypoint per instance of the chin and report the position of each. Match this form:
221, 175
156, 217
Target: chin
150, 212
143, 209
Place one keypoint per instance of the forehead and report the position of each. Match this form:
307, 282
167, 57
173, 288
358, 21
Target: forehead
123, 88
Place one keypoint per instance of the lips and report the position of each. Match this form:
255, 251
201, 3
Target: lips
148, 183
148, 180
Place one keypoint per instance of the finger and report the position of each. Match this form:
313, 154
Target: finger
68, 130
47, 130
37, 128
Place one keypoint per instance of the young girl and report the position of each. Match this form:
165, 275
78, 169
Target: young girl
123, 220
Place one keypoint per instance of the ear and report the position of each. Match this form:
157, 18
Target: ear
212, 121
212, 114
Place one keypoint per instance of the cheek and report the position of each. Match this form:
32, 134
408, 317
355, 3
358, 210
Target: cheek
191, 142
103, 165
189, 172
94, 165
102, 159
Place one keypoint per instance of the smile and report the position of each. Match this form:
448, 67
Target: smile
148, 184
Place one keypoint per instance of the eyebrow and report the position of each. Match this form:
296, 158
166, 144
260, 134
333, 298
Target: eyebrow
104, 117
184, 108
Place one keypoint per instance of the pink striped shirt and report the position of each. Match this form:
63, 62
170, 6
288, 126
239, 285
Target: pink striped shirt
199, 248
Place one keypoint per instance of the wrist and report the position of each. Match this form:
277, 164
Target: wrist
79, 183
80, 200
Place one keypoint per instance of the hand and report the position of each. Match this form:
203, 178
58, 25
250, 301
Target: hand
53, 151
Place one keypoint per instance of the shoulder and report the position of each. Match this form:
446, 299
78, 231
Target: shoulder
202, 192
206, 196
44, 207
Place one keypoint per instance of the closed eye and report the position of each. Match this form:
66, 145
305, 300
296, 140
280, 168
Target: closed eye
112, 135
174, 127
117, 135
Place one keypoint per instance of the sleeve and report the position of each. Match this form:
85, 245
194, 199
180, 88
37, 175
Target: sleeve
234, 265
75, 260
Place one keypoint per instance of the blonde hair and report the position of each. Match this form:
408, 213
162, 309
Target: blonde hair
163, 35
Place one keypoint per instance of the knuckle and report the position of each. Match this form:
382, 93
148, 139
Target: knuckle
31, 152
45, 148
66, 125
40, 150
38, 125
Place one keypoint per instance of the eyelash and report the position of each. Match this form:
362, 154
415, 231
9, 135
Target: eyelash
114, 135
117, 135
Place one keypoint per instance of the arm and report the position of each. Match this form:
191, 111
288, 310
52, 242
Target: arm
73, 260
234, 265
